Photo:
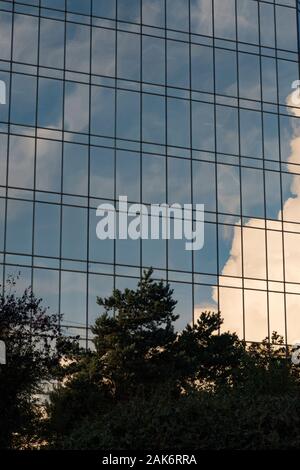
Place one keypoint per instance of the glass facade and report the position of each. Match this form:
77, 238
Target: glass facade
177, 101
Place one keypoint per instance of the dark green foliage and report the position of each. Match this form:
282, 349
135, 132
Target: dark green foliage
34, 347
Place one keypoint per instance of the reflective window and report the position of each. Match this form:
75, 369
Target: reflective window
50, 103
102, 111
205, 260
129, 10
104, 8
226, 72
254, 259
102, 172
76, 107
286, 70
21, 162
46, 286
103, 52
247, 21
77, 6
75, 169
5, 35
178, 116
204, 185
73, 298
128, 175
179, 181
25, 38
78, 47
273, 195
23, 99
228, 189
47, 230
286, 28
19, 226
201, 17
267, 24
99, 286
48, 165
154, 179
153, 60
154, 115
249, 76
203, 126
269, 80
178, 14
51, 43
251, 133
100, 251
74, 233
128, 58
3, 158
252, 192
128, 115
178, 64
256, 317
227, 130
224, 18
271, 137
202, 68
153, 12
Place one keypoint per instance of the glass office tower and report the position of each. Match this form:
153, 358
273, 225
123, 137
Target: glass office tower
177, 101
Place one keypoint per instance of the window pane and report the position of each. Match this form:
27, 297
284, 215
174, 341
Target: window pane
100, 251
46, 287
247, 21
202, 68
178, 64
154, 179
179, 181
154, 116
128, 175
76, 107
47, 230
25, 38
203, 126
103, 111
102, 172
254, 258
228, 189
286, 28
5, 35
178, 122
78, 48
252, 192
23, 99
249, 76
50, 107
271, 138
224, 17
227, 130
205, 260
201, 17
226, 72
104, 8
178, 14
3, 158
267, 25
251, 133
21, 162
51, 43
129, 10
153, 60
269, 82
73, 298
103, 55
74, 233
19, 226
204, 185
77, 6
154, 13
128, 56
128, 115
75, 175
48, 165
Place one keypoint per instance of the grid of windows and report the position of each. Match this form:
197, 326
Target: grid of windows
185, 101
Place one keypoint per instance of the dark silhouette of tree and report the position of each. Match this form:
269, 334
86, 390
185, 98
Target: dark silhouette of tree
34, 347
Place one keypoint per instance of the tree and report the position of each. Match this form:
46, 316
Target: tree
34, 346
